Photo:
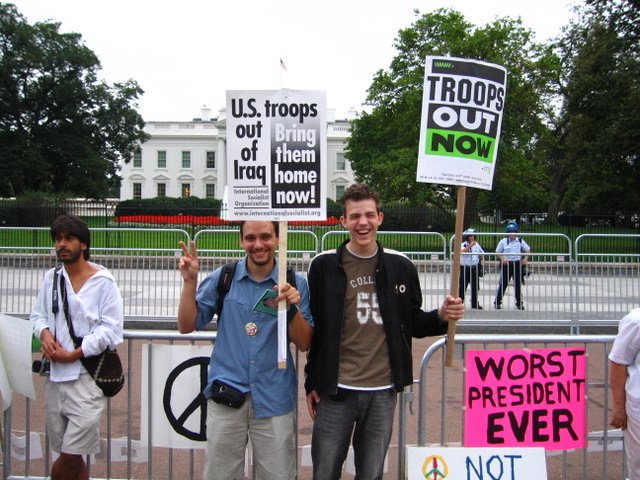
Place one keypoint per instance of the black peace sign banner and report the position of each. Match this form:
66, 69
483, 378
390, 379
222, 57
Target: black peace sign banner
198, 406
173, 407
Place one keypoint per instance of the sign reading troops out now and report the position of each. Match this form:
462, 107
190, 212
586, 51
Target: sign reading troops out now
276, 148
463, 102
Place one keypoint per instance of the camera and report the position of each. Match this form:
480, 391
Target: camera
41, 367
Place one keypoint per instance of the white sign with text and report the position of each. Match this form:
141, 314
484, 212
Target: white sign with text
276, 155
440, 463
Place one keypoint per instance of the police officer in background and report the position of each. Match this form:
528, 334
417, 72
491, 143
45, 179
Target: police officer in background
510, 253
470, 266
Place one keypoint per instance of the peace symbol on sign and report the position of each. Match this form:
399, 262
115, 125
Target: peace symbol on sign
199, 402
435, 468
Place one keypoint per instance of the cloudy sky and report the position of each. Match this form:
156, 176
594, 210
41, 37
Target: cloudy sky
187, 54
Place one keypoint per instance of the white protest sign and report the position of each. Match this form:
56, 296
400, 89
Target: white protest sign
172, 403
440, 463
462, 107
19, 446
276, 153
15, 358
139, 453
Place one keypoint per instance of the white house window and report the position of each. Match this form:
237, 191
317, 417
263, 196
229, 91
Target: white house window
186, 159
210, 190
339, 191
341, 163
137, 190
162, 159
186, 190
211, 159
161, 190
137, 159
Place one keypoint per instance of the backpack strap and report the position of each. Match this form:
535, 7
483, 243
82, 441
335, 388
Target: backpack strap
224, 284
291, 277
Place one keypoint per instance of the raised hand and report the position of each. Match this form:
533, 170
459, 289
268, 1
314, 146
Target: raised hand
188, 264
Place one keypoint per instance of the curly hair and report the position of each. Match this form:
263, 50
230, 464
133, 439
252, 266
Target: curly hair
360, 191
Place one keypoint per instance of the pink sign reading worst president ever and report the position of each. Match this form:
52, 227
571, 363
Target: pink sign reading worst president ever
526, 398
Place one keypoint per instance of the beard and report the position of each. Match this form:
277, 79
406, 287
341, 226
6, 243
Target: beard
261, 259
72, 256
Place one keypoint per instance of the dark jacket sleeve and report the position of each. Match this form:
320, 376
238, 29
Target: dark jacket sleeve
314, 280
423, 324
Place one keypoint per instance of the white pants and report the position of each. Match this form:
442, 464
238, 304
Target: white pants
228, 430
632, 447
74, 409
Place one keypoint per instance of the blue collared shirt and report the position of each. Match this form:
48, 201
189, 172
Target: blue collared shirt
249, 362
512, 249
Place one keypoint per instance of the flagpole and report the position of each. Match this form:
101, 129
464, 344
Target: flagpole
283, 67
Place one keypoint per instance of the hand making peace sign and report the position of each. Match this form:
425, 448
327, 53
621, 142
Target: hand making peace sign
188, 264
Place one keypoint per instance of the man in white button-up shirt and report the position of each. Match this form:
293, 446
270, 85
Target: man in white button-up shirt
625, 388
73, 401
470, 265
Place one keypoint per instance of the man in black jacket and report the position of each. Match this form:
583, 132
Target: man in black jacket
366, 303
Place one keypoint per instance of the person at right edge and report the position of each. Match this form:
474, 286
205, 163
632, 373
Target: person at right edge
366, 304
625, 388
510, 250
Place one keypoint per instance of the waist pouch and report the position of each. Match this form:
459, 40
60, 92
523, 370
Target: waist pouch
227, 395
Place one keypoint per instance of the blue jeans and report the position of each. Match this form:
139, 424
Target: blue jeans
368, 415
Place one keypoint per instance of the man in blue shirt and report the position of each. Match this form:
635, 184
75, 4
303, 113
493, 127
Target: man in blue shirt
510, 254
249, 396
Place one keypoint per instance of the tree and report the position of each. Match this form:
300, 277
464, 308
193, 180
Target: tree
61, 129
597, 165
384, 143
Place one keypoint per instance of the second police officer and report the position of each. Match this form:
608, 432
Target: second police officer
510, 252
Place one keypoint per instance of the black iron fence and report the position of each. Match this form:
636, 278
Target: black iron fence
193, 215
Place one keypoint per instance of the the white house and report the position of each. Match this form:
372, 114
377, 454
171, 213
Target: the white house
189, 159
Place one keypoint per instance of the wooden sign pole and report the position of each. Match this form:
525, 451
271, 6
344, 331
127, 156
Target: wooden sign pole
455, 270
282, 304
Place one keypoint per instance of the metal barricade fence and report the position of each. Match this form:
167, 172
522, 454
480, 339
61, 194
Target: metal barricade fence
440, 415
595, 288
144, 266
123, 455
441, 403
546, 290
559, 291
608, 284
147, 277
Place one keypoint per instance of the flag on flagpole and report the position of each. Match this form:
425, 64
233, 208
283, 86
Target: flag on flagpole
282, 65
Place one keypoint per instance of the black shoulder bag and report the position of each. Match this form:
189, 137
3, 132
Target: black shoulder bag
105, 368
